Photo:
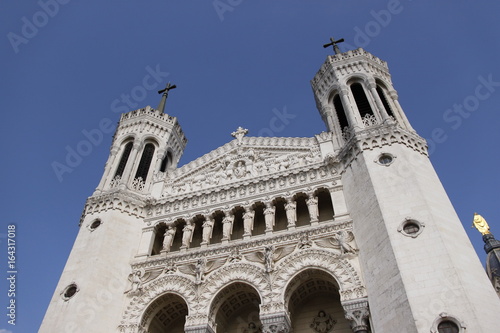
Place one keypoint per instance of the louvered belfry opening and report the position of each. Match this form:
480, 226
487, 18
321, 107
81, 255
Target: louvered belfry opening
145, 163
387, 107
339, 108
124, 159
361, 100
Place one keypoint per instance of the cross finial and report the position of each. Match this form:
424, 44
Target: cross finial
239, 134
168, 87
334, 43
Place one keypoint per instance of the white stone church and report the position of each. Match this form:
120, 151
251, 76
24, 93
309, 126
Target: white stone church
347, 231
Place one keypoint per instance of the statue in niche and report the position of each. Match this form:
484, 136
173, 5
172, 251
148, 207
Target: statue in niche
312, 206
291, 212
323, 322
207, 230
187, 235
269, 216
227, 226
248, 222
168, 238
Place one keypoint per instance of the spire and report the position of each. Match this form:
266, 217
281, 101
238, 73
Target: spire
161, 106
334, 43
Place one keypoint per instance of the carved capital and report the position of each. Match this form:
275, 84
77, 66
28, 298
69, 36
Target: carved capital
356, 311
276, 323
393, 94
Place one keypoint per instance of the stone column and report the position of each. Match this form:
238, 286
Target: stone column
356, 311
380, 106
146, 243
159, 158
353, 118
130, 163
398, 110
338, 201
107, 170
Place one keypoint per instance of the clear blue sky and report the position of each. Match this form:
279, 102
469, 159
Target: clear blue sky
62, 73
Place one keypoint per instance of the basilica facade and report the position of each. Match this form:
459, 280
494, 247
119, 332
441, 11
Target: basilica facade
347, 231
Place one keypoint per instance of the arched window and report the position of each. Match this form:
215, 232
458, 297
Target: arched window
361, 100
145, 163
387, 107
124, 159
339, 108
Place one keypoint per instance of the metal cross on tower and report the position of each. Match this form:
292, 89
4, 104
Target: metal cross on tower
334, 44
165, 91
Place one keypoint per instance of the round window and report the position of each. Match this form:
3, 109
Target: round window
69, 291
385, 159
448, 327
411, 228
95, 224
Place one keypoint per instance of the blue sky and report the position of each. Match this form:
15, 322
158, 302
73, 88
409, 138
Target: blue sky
67, 67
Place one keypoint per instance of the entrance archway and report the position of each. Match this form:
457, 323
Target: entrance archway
166, 314
236, 309
313, 301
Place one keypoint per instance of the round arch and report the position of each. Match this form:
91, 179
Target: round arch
344, 274
250, 274
136, 313
236, 307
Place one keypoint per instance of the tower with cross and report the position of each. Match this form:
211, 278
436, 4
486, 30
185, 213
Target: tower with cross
347, 231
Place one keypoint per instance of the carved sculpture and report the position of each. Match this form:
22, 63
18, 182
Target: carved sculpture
227, 226
312, 206
269, 216
248, 222
187, 235
140, 277
208, 226
168, 238
291, 213
323, 322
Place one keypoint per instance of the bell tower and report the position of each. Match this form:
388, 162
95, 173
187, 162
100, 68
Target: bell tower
420, 269
147, 144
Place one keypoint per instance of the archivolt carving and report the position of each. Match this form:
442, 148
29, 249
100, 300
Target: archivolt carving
179, 285
240, 272
344, 273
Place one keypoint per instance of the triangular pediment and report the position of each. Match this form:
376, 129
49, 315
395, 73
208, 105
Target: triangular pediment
238, 160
